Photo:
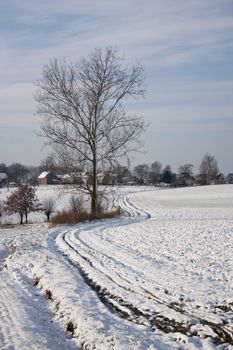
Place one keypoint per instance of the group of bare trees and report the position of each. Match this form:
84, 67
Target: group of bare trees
23, 200
153, 174
208, 171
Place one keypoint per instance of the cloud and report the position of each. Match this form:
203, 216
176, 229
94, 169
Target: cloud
186, 47
18, 107
161, 33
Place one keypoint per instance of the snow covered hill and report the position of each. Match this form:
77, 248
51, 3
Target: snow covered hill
160, 277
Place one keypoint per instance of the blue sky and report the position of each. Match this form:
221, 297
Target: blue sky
186, 47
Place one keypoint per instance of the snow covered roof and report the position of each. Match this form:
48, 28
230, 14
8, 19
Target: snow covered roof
43, 175
66, 176
3, 176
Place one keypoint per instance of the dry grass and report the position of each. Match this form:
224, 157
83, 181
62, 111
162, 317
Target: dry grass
75, 217
48, 295
70, 327
37, 280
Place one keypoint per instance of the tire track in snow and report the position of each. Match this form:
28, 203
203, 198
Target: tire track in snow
26, 323
116, 303
11, 319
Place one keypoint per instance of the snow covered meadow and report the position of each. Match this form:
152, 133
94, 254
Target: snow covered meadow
160, 277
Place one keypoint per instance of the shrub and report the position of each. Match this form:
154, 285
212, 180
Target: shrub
75, 217
76, 204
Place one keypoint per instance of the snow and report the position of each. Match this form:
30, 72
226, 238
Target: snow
3, 176
43, 175
160, 277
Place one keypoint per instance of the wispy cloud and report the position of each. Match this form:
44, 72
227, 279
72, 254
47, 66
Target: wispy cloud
164, 32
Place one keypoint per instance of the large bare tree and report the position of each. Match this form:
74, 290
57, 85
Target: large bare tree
82, 112
208, 169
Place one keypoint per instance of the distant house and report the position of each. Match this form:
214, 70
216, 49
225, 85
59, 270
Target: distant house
229, 178
67, 179
3, 179
47, 178
107, 178
103, 178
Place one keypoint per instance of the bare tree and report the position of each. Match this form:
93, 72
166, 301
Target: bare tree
82, 112
155, 172
185, 170
141, 171
185, 175
17, 173
49, 163
22, 201
48, 207
208, 169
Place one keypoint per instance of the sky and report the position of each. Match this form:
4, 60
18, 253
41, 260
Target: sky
186, 47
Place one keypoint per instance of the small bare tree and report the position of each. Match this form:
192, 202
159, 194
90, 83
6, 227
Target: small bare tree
208, 169
22, 201
82, 112
48, 207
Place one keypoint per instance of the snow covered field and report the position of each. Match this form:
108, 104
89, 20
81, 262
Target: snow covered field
161, 277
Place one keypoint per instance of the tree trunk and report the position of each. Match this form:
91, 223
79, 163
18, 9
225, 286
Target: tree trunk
26, 217
21, 219
94, 193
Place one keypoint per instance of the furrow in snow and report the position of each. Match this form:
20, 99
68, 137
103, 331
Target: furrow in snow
111, 296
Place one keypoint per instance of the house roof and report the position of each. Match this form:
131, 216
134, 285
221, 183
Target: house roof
66, 176
43, 175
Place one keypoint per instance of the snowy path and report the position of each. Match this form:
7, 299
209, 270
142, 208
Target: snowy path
26, 321
158, 278
128, 280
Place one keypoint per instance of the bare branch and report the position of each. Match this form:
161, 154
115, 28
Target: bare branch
82, 113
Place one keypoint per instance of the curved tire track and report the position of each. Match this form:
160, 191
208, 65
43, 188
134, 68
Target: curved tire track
115, 302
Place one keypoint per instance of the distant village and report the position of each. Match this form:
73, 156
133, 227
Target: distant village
17, 174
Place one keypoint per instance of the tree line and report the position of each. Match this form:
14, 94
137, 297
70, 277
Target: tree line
156, 174
141, 174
